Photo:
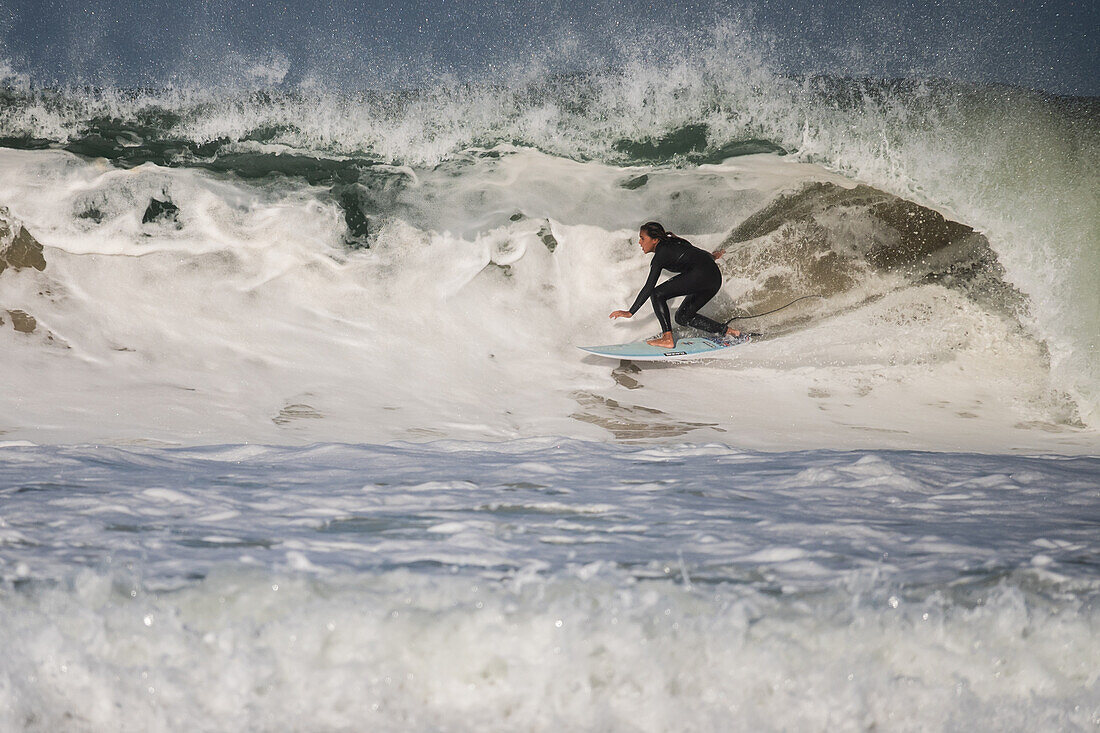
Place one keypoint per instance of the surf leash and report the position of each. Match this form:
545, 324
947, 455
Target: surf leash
774, 310
728, 252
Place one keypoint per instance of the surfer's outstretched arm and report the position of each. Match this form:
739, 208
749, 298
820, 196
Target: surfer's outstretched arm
655, 270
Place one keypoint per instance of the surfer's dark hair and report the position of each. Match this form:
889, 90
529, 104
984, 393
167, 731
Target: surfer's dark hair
654, 230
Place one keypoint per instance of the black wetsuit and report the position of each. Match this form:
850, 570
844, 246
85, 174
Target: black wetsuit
699, 279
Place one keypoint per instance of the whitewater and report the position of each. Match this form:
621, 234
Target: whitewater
295, 435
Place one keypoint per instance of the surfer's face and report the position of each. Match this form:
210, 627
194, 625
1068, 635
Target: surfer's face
646, 242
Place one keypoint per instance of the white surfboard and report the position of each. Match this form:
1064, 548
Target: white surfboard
686, 348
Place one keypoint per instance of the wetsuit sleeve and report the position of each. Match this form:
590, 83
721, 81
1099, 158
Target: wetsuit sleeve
655, 269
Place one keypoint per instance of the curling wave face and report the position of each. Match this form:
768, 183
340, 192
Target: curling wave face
301, 265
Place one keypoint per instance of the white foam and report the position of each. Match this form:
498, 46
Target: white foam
655, 587
253, 323
403, 653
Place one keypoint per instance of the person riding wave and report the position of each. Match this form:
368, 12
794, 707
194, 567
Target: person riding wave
698, 278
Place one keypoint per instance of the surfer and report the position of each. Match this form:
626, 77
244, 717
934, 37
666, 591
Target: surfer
698, 278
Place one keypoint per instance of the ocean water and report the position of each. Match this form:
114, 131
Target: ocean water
542, 584
296, 436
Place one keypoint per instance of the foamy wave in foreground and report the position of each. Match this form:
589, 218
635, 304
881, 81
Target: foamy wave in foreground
542, 584
396, 651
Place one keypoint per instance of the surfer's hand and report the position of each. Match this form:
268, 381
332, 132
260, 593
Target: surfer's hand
621, 314
717, 254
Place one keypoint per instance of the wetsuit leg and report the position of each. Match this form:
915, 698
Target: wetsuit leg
688, 313
700, 285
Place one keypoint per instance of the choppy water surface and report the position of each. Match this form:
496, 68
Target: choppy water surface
541, 583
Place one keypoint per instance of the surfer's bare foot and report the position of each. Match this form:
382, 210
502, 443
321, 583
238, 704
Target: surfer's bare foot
665, 341
733, 332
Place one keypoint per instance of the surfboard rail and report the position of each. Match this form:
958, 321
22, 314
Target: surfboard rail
693, 347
